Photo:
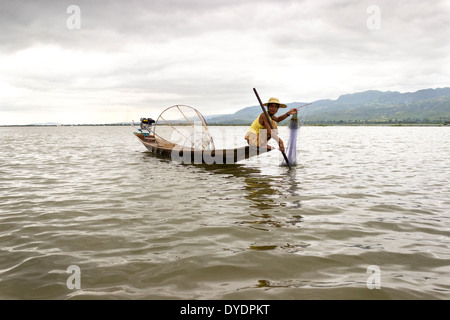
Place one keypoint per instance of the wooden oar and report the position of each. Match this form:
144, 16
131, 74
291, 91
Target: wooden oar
269, 120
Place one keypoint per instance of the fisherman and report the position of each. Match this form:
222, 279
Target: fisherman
260, 132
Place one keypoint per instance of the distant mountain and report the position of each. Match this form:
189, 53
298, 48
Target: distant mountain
428, 105
244, 116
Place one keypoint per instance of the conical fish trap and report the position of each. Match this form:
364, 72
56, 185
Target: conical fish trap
183, 127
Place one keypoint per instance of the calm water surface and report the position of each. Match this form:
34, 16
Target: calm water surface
142, 227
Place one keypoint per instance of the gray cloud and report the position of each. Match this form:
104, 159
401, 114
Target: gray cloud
151, 54
110, 25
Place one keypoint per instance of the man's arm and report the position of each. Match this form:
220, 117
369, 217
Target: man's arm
273, 133
265, 123
284, 116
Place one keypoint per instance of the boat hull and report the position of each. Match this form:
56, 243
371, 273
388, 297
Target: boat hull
194, 156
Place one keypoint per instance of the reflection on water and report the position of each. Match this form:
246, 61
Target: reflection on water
237, 170
267, 194
293, 188
150, 155
262, 192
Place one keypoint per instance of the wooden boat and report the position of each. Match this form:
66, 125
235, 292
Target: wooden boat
181, 133
185, 155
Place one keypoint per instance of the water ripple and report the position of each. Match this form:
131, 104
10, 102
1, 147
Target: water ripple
142, 227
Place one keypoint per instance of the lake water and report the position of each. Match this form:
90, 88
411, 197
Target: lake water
88, 213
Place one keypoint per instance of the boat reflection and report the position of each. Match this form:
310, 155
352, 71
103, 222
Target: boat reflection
263, 191
272, 197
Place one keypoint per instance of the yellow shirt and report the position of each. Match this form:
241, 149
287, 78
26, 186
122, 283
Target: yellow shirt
256, 126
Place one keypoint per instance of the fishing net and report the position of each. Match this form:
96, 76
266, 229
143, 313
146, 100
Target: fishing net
291, 149
182, 127
294, 128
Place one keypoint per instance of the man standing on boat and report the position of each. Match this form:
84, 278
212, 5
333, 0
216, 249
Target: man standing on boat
260, 132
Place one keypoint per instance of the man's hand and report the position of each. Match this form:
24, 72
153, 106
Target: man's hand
292, 111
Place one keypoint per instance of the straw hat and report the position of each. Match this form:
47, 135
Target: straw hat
275, 101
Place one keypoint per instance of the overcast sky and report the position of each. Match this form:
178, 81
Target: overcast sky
113, 61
